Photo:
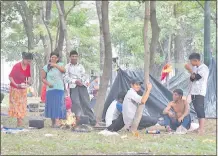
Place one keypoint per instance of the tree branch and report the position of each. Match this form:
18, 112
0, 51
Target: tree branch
213, 18
48, 10
48, 31
74, 4
65, 17
63, 24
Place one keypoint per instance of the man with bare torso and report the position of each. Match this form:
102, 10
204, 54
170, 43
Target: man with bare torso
177, 112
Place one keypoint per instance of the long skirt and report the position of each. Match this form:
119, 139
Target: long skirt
17, 102
55, 107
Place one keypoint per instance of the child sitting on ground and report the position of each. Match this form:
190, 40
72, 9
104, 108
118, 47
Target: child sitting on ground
115, 109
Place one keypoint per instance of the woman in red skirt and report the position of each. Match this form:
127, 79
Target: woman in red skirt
20, 79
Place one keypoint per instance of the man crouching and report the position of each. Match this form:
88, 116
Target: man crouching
177, 112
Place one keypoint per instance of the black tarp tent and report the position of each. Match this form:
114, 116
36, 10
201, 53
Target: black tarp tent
157, 101
181, 80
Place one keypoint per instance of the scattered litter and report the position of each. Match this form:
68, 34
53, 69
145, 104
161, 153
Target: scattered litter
13, 130
181, 130
153, 132
49, 135
108, 133
32, 128
208, 140
4, 114
124, 136
193, 127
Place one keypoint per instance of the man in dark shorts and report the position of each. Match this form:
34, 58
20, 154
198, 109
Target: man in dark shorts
177, 112
199, 75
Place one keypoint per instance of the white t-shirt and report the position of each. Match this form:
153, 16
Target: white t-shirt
130, 104
200, 87
112, 113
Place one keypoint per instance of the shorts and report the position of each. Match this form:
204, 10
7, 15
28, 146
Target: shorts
198, 103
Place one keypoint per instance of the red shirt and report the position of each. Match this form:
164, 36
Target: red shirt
19, 75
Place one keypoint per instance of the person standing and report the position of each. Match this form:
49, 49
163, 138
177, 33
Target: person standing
19, 81
75, 77
199, 75
52, 77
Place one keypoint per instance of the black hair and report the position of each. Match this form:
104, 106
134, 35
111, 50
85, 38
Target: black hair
54, 53
94, 77
49, 67
73, 52
195, 56
178, 91
121, 95
27, 56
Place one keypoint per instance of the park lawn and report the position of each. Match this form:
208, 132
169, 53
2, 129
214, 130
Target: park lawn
64, 142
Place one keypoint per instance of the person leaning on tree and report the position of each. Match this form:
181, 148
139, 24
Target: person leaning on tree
131, 102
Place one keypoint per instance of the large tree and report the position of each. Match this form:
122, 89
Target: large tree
99, 12
207, 50
63, 27
104, 80
155, 33
140, 109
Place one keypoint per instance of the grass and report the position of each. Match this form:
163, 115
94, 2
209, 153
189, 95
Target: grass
64, 142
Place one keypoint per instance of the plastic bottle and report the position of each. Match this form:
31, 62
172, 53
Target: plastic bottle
153, 132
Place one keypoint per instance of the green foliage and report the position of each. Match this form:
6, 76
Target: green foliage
14, 39
126, 27
127, 21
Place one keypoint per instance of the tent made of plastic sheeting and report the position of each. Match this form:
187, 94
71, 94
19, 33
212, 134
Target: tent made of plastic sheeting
210, 101
157, 101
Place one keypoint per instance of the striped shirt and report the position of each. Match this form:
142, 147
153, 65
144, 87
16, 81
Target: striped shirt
73, 73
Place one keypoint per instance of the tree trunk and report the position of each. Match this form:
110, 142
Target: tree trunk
58, 27
178, 49
155, 32
27, 19
140, 109
178, 52
61, 29
46, 21
64, 26
168, 59
207, 51
45, 39
169, 49
107, 63
98, 8
48, 11
40, 82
